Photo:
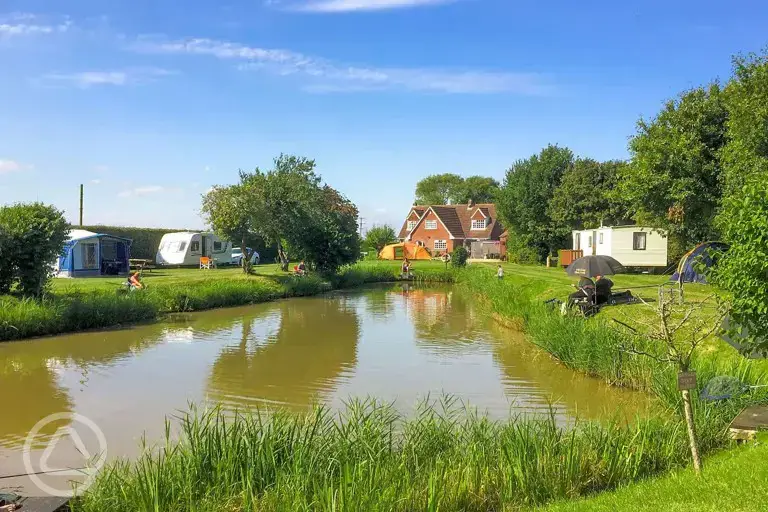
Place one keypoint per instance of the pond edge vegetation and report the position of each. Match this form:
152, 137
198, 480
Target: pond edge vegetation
445, 457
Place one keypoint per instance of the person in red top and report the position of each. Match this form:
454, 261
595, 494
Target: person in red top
135, 281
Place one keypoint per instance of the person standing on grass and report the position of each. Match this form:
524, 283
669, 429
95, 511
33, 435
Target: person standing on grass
406, 268
447, 259
500, 273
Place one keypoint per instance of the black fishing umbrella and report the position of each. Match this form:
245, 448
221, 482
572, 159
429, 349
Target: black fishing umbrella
592, 266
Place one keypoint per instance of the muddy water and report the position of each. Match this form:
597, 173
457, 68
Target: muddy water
398, 344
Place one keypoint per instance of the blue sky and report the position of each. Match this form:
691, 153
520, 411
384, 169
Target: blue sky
151, 102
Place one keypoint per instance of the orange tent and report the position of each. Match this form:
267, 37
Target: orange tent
404, 250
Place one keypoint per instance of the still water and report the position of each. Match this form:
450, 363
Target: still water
397, 343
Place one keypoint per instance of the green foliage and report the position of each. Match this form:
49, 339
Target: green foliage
478, 189
459, 257
453, 189
145, 241
585, 197
379, 236
33, 236
287, 206
438, 189
523, 203
743, 271
674, 180
369, 456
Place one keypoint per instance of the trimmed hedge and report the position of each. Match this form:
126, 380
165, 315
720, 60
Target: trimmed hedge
145, 240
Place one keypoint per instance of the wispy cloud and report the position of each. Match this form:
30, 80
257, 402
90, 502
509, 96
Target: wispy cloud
95, 182
360, 5
142, 191
327, 76
86, 79
9, 166
24, 24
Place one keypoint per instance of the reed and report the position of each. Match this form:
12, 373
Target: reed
370, 457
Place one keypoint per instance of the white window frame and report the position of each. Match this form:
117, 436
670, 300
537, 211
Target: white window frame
411, 224
600, 240
430, 224
589, 241
443, 245
479, 224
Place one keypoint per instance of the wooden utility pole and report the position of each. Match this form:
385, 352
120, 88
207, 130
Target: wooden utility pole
81, 205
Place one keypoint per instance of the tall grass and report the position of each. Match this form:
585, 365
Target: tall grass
369, 457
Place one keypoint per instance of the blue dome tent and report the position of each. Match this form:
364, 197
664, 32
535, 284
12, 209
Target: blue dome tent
694, 265
88, 254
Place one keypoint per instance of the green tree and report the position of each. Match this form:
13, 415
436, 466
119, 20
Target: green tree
459, 257
33, 236
585, 197
478, 189
743, 271
379, 236
674, 180
523, 202
439, 189
230, 215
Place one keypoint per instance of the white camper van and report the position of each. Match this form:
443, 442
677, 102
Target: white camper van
187, 248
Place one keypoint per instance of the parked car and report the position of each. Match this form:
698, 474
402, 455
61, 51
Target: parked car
237, 256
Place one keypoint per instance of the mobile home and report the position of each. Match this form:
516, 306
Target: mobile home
88, 254
186, 249
632, 246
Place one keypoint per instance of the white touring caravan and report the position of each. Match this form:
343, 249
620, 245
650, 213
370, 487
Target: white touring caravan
186, 249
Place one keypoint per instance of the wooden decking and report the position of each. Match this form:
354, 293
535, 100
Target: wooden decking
749, 422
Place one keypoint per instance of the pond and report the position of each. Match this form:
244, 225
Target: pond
398, 343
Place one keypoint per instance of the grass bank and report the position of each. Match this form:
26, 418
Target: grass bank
371, 458
733, 481
79, 304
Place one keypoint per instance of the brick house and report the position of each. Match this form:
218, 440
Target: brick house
442, 228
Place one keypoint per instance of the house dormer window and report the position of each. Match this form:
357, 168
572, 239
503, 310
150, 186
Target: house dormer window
430, 224
478, 224
411, 224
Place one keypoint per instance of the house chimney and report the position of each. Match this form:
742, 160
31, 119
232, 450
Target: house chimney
469, 204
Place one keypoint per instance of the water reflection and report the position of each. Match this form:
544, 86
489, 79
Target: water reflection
293, 357
396, 343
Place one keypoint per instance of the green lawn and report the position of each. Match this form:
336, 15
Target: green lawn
732, 481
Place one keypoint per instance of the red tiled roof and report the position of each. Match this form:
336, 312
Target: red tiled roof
457, 219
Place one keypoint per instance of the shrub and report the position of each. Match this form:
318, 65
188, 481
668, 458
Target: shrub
459, 257
33, 237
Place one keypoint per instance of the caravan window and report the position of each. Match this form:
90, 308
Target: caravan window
182, 246
217, 247
89, 255
601, 239
177, 246
589, 241
194, 246
638, 241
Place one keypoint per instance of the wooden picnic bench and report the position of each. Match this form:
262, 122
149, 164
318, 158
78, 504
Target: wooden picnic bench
141, 265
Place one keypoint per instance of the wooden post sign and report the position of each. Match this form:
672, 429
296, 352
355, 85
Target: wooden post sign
686, 380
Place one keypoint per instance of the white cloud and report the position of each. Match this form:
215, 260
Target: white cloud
9, 166
86, 79
25, 24
142, 191
327, 76
362, 5
95, 182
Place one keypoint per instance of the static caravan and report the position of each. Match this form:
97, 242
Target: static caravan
632, 246
88, 254
186, 249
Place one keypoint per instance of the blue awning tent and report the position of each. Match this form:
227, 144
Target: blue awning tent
88, 254
694, 265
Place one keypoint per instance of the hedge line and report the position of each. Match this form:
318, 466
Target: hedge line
145, 240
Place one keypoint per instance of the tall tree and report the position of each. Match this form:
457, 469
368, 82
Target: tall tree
585, 197
743, 271
229, 213
673, 181
524, 198
478, 189
439, 189
379, 236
